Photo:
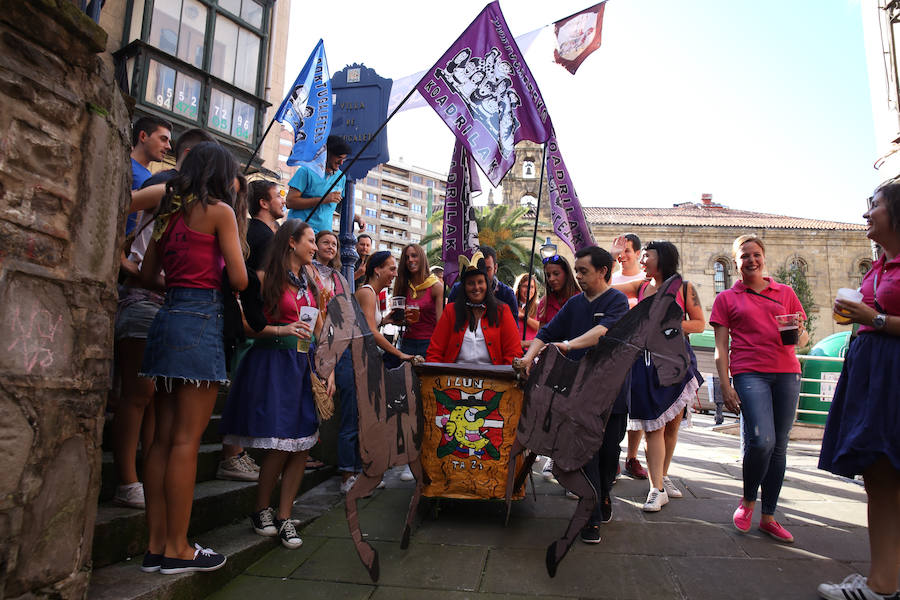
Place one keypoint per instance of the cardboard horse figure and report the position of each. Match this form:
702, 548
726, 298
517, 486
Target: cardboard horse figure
568, 403
390, 413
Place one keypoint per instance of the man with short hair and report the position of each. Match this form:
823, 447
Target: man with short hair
151, 138
630, 260
502, 292
598, 304
266, 206
363, 249
309, 183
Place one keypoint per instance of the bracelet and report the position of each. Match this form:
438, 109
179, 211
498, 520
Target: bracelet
568, 346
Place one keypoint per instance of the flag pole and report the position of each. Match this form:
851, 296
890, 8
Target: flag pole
259, 145
363, 149
537, 214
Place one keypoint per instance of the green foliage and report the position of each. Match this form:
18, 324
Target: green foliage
795, 278
505, 231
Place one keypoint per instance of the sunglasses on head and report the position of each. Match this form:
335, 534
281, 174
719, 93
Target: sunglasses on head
555, 259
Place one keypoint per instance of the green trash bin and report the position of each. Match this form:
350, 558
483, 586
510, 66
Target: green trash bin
834, 346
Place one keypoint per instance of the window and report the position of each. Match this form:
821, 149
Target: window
197, 50
528, 169
429, 183
417, 208
417, 179
373, 181
720, 275
799, 265
371, 212
371, 197
370, 228
382, 246
417, 194
863, 267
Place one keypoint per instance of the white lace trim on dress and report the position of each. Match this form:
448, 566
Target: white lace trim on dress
683, 400
272, 443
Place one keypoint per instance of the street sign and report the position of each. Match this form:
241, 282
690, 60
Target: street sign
360, 107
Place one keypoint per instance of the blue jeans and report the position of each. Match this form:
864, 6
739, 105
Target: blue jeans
348, 434
768, 408
414, 347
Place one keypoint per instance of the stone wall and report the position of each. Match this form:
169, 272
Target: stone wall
64, 184
832, 257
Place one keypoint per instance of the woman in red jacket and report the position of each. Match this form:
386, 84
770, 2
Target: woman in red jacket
475, 328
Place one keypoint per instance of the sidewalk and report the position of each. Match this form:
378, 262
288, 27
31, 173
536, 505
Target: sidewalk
690, 549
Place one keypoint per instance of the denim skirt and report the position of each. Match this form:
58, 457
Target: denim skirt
185, 342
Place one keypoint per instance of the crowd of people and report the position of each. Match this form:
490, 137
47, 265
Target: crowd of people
191, 250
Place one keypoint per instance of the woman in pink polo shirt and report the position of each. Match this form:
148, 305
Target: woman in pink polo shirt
766, 378
863, 431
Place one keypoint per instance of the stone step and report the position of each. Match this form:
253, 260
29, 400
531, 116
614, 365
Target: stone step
122, 532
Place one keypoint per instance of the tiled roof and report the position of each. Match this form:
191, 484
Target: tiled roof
706, 216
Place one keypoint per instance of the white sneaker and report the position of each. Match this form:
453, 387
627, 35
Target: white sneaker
131, 495
348, 483
406, 474
854, 587
248, 460
671, 490
381, 485
547, 470
236, 468
656, 499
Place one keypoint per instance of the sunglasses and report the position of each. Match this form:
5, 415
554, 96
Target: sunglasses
554, 260
870, 202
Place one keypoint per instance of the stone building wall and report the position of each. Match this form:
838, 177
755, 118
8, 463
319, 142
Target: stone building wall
63, 192
832, 257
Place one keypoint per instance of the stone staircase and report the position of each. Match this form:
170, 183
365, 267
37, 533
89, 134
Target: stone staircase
218, 521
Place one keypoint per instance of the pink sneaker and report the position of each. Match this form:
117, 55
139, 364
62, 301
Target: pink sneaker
742, 518
774, 530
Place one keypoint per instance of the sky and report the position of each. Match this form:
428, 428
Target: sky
763, 104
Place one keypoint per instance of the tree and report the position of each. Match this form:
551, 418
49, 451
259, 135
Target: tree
796, 278
500, 229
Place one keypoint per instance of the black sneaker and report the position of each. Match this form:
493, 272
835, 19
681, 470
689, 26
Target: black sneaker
591, 534
204, 560
606, 510
263, 522
288, 534
151, 562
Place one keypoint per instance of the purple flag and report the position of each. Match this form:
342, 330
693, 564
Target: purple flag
460, 234
485, 93
565, 209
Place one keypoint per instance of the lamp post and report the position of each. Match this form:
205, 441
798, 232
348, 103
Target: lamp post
548, 249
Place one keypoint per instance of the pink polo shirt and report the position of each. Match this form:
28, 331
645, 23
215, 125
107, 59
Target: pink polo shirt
755, 342
888, 292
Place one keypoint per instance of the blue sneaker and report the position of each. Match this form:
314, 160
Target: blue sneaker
204, 560
151, 562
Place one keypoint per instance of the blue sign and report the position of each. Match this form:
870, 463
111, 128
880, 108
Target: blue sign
360, 107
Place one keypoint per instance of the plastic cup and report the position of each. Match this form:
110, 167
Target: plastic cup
846, 294
398, 308
412, 313
308, 315
789, 328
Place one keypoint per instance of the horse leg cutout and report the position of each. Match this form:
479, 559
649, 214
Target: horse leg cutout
364, 486
416, 468
578, 483
516, 449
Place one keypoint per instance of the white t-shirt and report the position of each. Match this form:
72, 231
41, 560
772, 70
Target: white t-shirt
618, 278
474, 348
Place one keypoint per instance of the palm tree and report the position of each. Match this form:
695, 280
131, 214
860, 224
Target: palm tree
502, 229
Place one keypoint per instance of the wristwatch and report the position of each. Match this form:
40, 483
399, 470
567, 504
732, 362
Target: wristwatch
879, 321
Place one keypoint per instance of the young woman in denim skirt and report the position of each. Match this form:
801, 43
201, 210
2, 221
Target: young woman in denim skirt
194, 236
766, 375
271, 404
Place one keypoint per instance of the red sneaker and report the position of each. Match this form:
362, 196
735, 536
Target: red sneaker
634, 469
775, 530
742, 518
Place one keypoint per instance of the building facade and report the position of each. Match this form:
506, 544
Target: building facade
214, 64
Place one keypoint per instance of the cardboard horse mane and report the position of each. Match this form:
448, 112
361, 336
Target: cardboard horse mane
568, 403
390, 415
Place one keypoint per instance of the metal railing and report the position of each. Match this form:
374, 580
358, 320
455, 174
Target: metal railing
822, 396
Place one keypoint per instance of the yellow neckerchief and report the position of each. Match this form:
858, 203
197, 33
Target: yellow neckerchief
162, 220
429, 281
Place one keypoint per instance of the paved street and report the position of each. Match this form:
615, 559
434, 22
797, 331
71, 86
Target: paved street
688, 550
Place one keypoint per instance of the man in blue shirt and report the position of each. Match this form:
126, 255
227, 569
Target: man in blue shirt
502, 292
310, 182
151, 138
599, 304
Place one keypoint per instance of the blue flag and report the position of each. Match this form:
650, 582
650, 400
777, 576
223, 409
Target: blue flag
306, 110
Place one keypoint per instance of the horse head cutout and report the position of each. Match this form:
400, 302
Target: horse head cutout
568, 403
390, 412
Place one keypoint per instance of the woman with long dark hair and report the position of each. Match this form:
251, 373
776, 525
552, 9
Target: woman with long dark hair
424, 299
475, 328
657, 410
526, 295
862, 436
561, 286
195, 234
270, 405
